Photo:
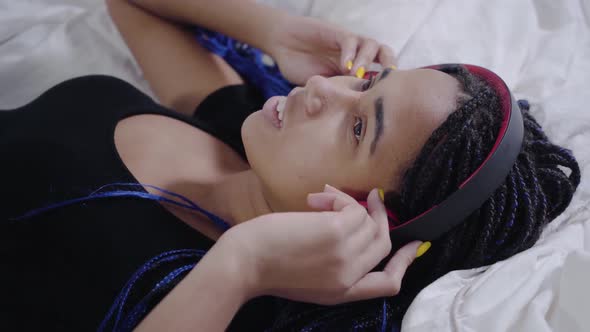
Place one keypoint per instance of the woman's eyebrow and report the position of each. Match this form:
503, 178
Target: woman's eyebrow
378, 110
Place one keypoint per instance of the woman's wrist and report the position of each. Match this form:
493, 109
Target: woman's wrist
265, 32
240, 265
209, 296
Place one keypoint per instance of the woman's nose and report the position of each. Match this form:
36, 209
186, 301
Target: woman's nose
322, 94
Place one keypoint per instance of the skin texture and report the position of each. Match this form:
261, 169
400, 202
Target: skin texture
317, 142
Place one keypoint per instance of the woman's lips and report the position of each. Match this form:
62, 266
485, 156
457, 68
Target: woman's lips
269, 111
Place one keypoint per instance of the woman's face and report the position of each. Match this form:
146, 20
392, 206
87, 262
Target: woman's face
350, 133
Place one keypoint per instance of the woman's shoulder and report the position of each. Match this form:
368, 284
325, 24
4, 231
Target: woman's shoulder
97, 92
93, 99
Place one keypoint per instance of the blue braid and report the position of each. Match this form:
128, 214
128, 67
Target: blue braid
142, 307
247, 61
152, 264
120, 301
384, 318
513, 210
128, 193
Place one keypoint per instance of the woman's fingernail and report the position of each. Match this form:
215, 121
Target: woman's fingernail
381, 194
423, 248
360, 73
393, 67
349, 65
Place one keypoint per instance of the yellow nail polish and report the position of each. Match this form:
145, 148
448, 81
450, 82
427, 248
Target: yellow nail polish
360, 73
349, 65
423, 248
393, 67
381, 194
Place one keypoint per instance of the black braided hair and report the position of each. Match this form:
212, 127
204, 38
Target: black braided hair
536, 190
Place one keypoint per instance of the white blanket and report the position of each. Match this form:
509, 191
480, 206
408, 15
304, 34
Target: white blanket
540, 47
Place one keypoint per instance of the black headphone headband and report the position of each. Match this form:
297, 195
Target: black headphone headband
483, 182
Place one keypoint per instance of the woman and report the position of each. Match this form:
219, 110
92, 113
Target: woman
72, 261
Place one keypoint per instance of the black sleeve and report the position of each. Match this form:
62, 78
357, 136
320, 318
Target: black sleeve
222, 113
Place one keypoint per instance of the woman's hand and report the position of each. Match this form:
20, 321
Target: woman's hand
321, 257
304, 46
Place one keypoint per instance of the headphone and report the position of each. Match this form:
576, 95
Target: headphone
482, 183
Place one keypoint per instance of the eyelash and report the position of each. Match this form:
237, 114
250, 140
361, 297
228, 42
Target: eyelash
358, 121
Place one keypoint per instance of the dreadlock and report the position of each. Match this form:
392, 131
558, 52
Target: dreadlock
535, 192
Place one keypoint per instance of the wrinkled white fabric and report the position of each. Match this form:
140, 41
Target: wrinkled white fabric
540, 47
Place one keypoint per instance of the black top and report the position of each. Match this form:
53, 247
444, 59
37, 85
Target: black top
61, 270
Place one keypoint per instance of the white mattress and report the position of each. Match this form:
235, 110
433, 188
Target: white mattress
540, 47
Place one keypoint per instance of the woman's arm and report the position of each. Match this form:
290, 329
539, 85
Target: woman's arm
301, 46
318, 257
180, 72
207, 298
243, 20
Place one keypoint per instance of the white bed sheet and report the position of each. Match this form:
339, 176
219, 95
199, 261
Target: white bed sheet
540, 47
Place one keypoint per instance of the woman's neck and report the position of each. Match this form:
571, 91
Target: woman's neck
234, 197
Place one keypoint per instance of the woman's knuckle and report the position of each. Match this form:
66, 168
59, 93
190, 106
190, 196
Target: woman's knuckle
359, 211
408, 260
395, 288
372, 43
351, 39
387, 246
343, 282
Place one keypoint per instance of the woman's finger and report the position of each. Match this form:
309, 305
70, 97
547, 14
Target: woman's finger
402, 258
365, 56
348, 48
321, 201
387, 282
365, 238
329, 189
349, 214
386, 56
377, 209
328, 201
374, 243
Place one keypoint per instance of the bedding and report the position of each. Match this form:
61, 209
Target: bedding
540, 47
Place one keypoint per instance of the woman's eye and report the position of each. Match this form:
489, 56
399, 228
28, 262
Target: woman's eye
358, 128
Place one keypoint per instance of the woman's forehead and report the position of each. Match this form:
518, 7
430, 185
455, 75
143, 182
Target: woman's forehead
422, 94
415, 103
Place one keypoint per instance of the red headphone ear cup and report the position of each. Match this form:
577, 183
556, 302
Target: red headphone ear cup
370, 74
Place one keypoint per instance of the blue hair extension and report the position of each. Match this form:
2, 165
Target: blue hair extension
311, 327
362, 326
142, 307
384, 317
120, 301
251, 63
188, 204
